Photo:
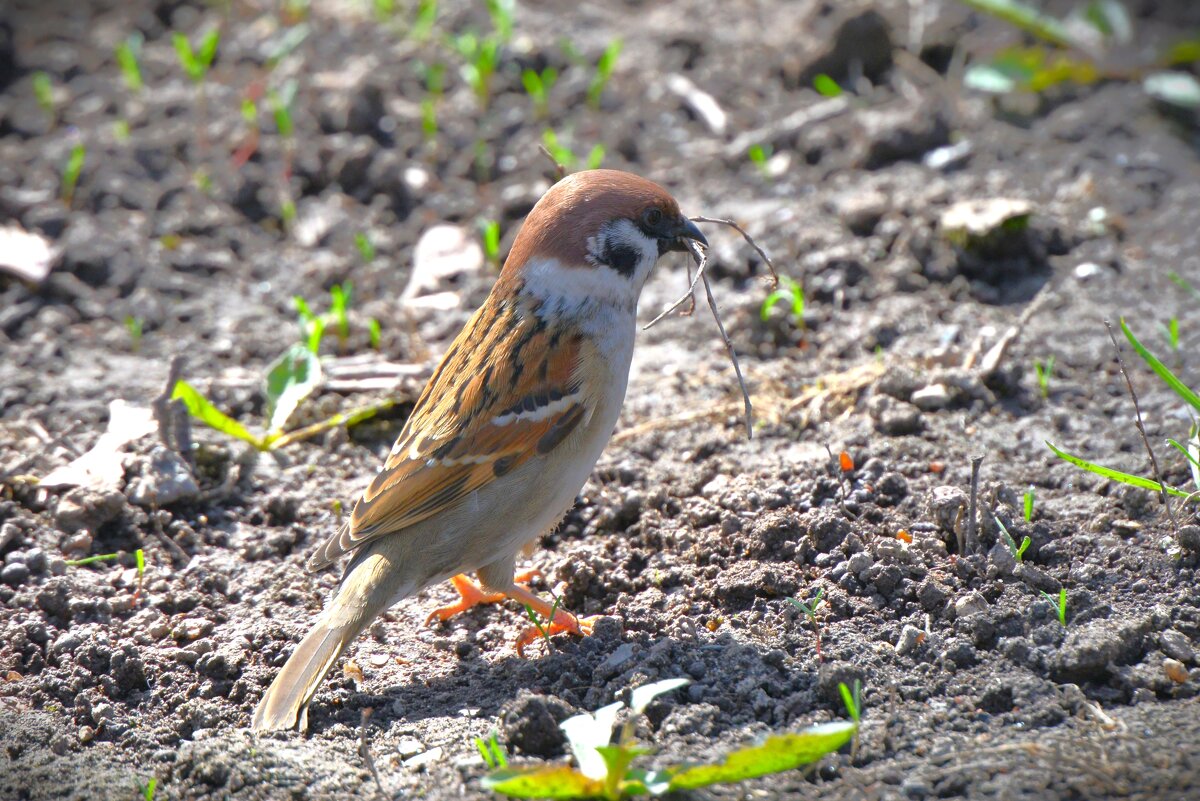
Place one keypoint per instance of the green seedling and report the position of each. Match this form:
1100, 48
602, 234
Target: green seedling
501, 12
790, 292
1060, 605
281, 102
491, 241
71, 172
288, 43
827, 86
197, 62
366, 250
810, 609
127, 59
1181, 389
134, 326
434, 86
759, 156
1018, 552
538, 86
481, 54
43, 92
120, 130
374, 333
202, 180
1080, 50
288, 390
91, 560
565, 156
425, 19
287, 213
1171, 331
147, 789
543, 627
140, 557
852, 700
1043, 370
1177, 279
493, 753
339, 310
604, 72
1028, 500
312, 326
605, 766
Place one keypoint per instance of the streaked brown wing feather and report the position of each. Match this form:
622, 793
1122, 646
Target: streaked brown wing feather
472, 423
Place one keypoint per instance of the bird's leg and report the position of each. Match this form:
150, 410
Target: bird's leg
471, 595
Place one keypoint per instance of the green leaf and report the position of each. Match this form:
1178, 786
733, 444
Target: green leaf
617, 759
208, 49
293, 377
1169, 378
199, 407
777, 753
1027, 18
641, 697
555, 781
588, 732
1111, 18
826, 85
1115, 475
183, 48
1177, 88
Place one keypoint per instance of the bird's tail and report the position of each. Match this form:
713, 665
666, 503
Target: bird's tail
286, 701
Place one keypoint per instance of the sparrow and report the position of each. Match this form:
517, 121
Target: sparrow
508, 428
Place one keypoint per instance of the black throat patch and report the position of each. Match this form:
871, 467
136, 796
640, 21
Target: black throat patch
622, 258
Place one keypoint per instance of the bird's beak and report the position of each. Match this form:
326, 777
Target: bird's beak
686, 230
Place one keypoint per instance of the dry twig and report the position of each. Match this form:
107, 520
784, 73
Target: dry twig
560, 169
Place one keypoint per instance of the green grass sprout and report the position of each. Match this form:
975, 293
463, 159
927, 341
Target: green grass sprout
43, 92
1060, 605
91, 560
1018, 551
140, 557
196, 61
826, 86
424, 21
493, 753
147, 789
71, 172
339, 310
852, 699
491, 241
1027, 501
604, 71
543, 627
127, 53
374, 333
1043, 370
366, 250
481, 55
538, 86
790, 292
501, 13
134, 326
759, 156
1171, 331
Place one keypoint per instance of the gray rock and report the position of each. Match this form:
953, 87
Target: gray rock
1177, 646
931, 398
14, 575
910, 638
86, 509
164, 479
970, 604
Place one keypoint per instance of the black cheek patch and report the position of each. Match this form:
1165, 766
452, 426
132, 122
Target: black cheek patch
621, 258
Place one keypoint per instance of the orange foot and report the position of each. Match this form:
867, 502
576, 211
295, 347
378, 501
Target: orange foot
471, 595
560, 619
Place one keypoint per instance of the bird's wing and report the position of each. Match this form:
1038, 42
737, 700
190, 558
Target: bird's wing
476, 421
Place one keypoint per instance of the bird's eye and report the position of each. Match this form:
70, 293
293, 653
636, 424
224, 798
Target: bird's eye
653, 218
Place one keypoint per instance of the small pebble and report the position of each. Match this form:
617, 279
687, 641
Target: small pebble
970, 604
1175, 670
910, 638
14, 575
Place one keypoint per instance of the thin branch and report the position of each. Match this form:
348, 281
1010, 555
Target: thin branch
750, 240
559, 168
1141, 427
698, 252
702, 262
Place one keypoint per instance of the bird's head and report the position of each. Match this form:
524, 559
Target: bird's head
598, 232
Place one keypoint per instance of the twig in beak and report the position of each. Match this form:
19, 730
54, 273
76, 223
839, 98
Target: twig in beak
770, 264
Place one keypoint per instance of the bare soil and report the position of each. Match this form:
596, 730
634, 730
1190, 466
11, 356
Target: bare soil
689, 537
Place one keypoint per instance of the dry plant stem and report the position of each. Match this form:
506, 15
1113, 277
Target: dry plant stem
558, 168
841, 481
972, 541
365, 751
750, 240
1141, 427
702, 262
